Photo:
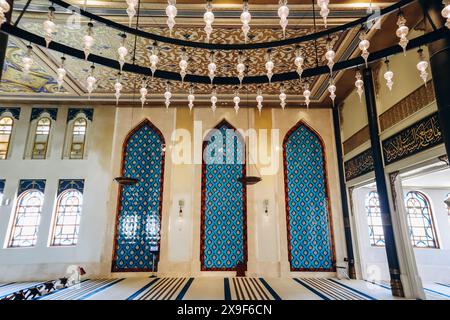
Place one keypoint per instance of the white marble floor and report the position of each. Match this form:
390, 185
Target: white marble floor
209, 288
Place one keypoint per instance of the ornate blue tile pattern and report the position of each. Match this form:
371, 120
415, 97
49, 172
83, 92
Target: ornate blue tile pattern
15, 112
223, 238
28, 184
309, 235
73, 112
138, 223
37, 112
66, 184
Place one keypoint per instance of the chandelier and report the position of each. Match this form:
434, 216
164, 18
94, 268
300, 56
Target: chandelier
299, 68
122, 51
213, 99
153, 57
61, 74
171, 12
240, 67
282, 97
307, 95
118, 88
211, 67
131, 10
167, 95
236, 99
90, 81
446, 12
208, 17
143, 91
389, 75
359, 84
246, 17
49, 26
269, 65
183, 64
364, 45
422, 66
299, 60
402, 32
27, 60
259, 99
4, 8
283, 13
191, 97
324, 11
88, 41
332, 90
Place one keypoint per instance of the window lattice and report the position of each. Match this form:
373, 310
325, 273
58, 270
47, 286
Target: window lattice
67, 219
41, 138
26, 219
376, 233
420, 221
78, 139
6, 126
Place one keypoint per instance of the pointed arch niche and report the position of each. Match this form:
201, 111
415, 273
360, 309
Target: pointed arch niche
138, 221
309, 229
223, 242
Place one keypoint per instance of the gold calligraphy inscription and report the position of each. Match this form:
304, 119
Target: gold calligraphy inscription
359, 165
420, 136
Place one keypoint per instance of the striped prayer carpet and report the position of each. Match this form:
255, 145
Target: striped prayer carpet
329, 289
431, 294
241, 288
80, 291
8, 288
163, 289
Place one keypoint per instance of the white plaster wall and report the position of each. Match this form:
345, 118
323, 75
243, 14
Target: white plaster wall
433, 264
43, 262
373, 259
180, 244
180, 241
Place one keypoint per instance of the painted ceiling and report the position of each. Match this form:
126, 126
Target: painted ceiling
41, 79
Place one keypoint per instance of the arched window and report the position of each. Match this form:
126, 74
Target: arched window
223, 207
26, 219
310, 245
420, 220
41, 138
67, 218
138, 222
6, 126
2, 186
373, 212
78, 138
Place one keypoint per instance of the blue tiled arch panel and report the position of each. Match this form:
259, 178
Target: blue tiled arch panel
139, 214
309, 228
223, 234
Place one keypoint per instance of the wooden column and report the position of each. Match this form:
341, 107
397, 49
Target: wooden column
380, 178
344, 199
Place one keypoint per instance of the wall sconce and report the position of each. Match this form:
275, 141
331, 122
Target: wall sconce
266, 208
180, 212
4, 202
